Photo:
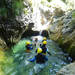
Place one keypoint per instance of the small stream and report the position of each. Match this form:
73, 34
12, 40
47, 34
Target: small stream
17, 64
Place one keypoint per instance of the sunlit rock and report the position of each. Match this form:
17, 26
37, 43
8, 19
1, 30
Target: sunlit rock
3, 45
70, 4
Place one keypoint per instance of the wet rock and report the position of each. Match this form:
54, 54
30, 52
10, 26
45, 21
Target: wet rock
63, 32
67, 70
3, 45
29, 33
58, 12
44, 33
31, 25
11, 29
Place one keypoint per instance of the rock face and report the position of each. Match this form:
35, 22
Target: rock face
67, 70
3, 45
44, 33
63, 32
12, 29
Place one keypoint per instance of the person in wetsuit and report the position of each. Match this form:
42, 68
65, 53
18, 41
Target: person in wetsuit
28, 47
40, 60
44, 48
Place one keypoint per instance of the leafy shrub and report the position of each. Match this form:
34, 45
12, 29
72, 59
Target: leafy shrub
10, 8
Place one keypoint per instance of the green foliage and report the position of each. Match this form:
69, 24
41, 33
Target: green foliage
30, 3
48, 5
71, 50
60, 41
11, 8
25, 11
17, 6
42, 2
64, 0
48, 0
32, 9
3, 12
73, 14
72, 23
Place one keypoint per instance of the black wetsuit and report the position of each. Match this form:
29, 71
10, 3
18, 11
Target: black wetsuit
40, 58
44, 49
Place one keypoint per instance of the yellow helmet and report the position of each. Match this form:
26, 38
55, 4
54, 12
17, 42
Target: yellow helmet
44, 38
44, 42
39, 50
27, 43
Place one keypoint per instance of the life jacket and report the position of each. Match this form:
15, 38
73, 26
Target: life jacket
28, 48
40, 58
44, 49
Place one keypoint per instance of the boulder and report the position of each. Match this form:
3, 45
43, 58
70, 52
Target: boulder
67, 70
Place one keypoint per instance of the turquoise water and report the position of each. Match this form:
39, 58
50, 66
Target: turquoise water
16, 62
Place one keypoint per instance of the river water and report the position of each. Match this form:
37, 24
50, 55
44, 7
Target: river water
15, 62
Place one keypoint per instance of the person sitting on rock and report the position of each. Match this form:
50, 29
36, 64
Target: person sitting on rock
44, 48
40, 61
28, 47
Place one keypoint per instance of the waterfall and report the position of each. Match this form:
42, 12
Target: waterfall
40, 21
36, 17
